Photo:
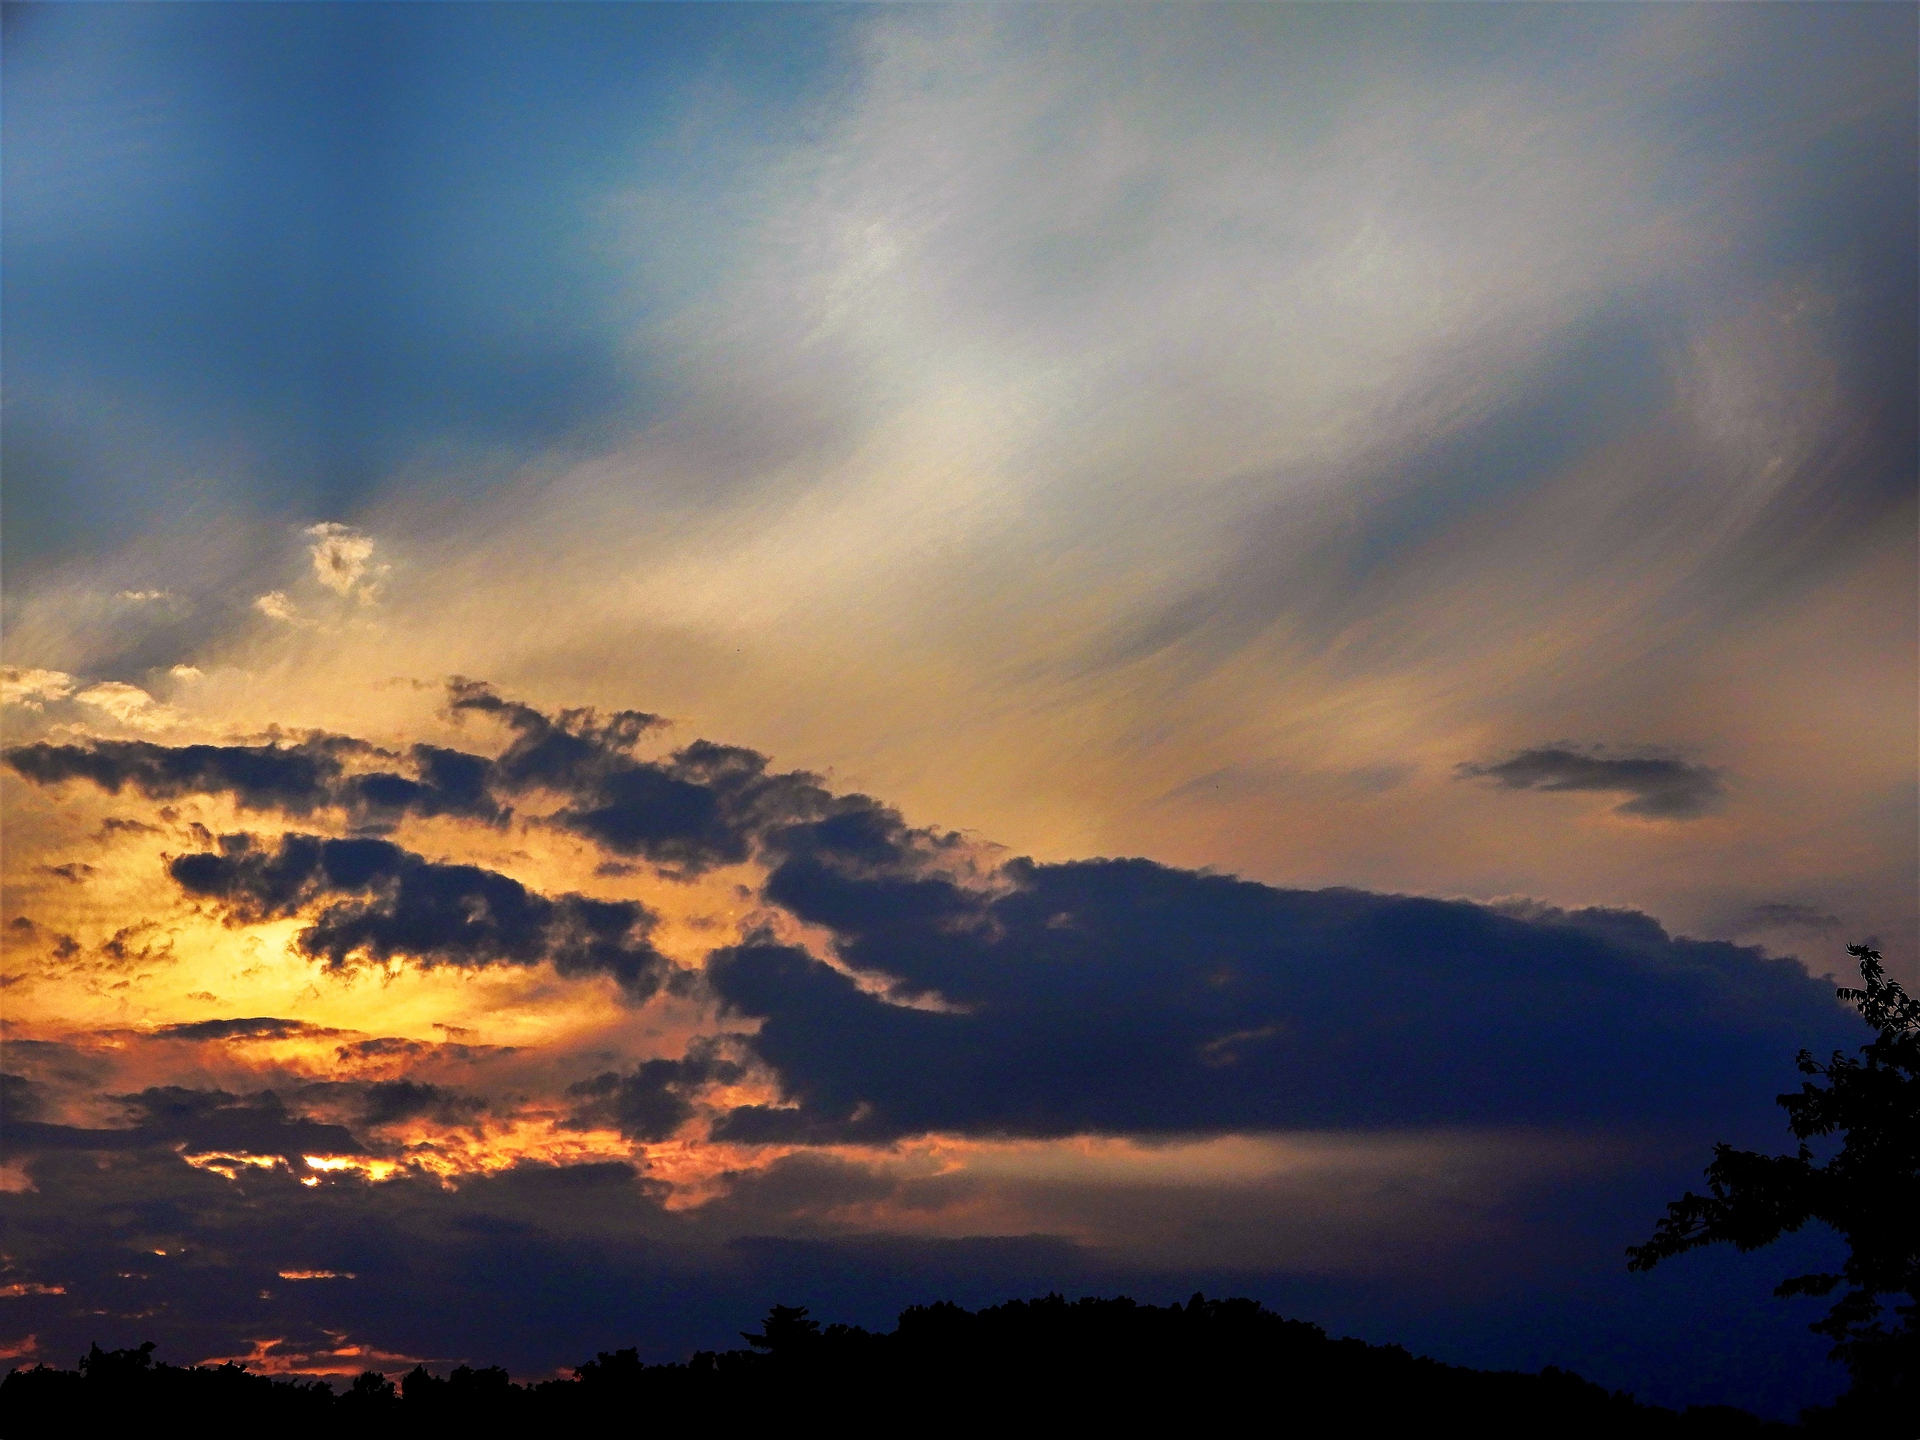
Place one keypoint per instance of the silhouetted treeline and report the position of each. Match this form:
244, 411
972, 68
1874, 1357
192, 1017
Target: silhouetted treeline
1021, 1365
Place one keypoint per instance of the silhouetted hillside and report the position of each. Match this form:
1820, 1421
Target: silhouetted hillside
1020, 1365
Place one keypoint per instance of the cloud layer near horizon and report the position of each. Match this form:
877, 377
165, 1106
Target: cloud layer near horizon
954, 991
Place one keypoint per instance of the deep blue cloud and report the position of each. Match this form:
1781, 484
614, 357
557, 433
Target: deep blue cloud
1123, 996
656, 1098
702, 806
296, 778
705, 805
260, 1027
378, 902
172, 1118
386, 1102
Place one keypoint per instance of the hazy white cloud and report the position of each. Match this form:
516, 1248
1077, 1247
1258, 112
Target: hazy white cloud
33, 688
145, 597
276, 606
130, 705
343, 560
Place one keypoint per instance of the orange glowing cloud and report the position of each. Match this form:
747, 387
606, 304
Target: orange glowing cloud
341, 1359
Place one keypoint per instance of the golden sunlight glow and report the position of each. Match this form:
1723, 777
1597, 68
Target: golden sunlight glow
230, 1165
267, 1357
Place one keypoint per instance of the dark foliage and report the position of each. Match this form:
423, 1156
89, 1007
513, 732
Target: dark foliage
1026, 1363
125, 1388
1868, 1191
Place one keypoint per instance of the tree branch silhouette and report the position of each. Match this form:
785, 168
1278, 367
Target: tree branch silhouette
1868, 1192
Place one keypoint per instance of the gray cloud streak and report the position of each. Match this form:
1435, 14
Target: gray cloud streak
1657, 789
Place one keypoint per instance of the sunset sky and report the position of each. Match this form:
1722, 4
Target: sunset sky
666, 658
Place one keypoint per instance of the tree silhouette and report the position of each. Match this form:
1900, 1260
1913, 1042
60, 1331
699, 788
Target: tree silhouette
1104, 1366
1868, 1191
786, 1331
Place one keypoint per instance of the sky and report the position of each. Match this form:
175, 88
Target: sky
665, 658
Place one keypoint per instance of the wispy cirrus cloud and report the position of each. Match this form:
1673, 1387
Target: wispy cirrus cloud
1792, 915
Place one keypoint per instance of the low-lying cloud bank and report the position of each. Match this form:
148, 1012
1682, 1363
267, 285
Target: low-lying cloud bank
959, 992
538, 1267
1123, 996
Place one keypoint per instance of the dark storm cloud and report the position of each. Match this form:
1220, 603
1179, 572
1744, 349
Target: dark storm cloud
397, 1048
140, 943
259, 1027
59, 1063
176, 1118
561, 752
379, 902
1658, 789
1123, 996
387, 1102
702, 806
449, 782
656, 1098
294, 779
117, 825
1111, 996
20, 1098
